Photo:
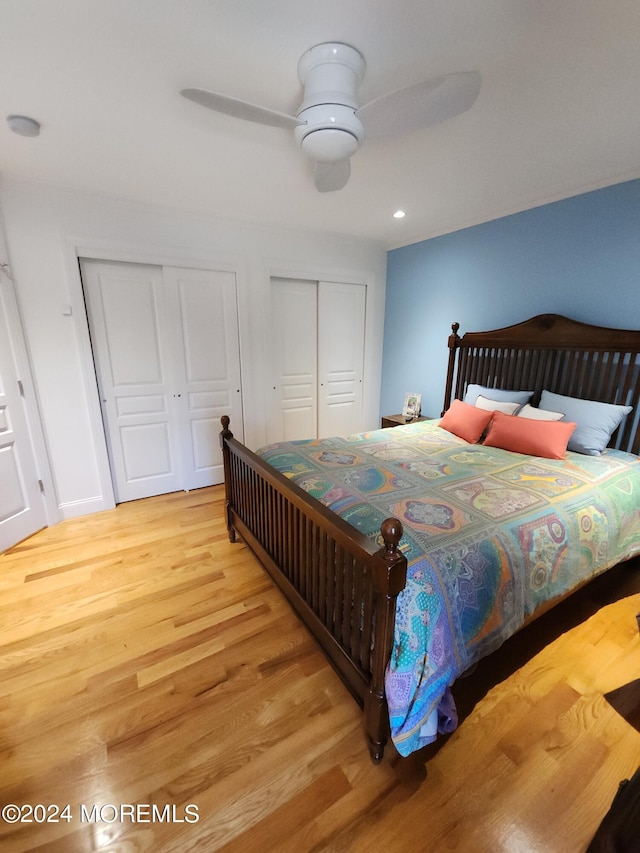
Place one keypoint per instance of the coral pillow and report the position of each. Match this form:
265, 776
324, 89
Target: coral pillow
465, 421
532, 437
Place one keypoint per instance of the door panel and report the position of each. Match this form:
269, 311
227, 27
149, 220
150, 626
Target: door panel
207, 361
130, 338
22, 510
295, 364
341, 324
146, 453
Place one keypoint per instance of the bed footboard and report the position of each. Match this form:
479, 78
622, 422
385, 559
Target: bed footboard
341, 584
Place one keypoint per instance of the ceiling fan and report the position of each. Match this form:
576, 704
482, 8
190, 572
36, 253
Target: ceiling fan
330, 126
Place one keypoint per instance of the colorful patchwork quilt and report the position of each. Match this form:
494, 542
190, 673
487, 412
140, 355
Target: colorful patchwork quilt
489, 536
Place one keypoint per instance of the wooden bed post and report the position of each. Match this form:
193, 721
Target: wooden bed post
226, 461
454, 339
389, 575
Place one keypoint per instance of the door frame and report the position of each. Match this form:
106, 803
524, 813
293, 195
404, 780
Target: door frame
78, 247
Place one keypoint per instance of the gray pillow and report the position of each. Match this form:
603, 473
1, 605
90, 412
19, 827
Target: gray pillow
596, 422
474, 391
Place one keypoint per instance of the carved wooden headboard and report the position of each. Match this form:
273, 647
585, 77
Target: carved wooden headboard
553, 353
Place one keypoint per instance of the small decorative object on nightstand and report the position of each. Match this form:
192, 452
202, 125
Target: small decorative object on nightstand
412, 404
399, 420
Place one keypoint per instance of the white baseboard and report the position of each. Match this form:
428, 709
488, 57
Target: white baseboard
74, 509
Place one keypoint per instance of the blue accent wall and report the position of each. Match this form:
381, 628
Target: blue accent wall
579, 257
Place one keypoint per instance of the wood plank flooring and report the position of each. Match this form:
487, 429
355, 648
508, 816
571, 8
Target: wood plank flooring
147, 663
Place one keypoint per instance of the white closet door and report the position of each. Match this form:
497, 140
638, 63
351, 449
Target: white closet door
129, 332
341, 326
22, 509
295, 363
167, 358
202, 305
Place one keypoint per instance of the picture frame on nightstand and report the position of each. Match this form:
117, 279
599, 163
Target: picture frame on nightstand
412, 405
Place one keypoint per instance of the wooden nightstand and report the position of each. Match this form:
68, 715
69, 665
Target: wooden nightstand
399, 420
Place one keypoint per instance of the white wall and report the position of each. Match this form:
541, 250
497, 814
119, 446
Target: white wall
47, 229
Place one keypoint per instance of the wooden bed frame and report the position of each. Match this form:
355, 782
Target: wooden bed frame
340, 583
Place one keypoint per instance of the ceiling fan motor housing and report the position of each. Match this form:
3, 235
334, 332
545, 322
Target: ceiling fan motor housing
330, 74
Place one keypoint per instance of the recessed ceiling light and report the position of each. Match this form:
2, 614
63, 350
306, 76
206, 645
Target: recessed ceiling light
23, 125
399, 214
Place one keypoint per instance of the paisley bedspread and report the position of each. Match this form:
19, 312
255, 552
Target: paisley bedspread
489, 536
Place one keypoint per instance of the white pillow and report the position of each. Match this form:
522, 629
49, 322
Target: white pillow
536, 414
496, 406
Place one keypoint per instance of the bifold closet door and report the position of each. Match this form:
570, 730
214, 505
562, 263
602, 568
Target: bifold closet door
294, 348
165, 344
202, 306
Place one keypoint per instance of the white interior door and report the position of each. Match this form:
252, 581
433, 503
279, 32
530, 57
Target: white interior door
167, 358
206, 350
22, 509
130, 337
317, 349
341, 325
294, 324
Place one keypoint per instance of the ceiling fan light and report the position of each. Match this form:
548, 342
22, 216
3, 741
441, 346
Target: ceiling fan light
329, 144
331, 132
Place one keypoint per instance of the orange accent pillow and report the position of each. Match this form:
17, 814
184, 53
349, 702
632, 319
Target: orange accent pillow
465, 421
533, 438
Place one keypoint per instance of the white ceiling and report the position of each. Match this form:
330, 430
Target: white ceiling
558, 113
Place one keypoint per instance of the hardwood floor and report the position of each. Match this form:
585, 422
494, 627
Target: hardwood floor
145, 661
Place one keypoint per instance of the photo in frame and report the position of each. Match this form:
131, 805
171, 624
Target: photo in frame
412, 405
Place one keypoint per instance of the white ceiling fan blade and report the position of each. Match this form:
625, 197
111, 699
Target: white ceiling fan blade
420, 105
240, 109
331, 176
